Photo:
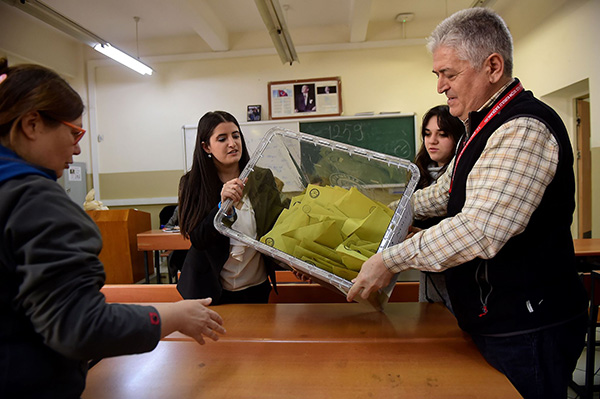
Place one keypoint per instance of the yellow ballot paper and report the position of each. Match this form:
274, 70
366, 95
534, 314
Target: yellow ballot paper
332, 228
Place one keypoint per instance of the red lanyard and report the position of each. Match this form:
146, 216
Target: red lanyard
493, 112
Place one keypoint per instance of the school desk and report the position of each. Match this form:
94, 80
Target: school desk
159, 240
587, 246
412, 350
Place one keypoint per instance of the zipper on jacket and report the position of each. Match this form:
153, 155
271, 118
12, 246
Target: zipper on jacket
481, 276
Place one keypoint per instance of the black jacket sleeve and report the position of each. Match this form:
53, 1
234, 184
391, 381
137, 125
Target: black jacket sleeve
49, 248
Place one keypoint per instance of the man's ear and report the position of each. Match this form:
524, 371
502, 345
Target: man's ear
495, 66
31, 124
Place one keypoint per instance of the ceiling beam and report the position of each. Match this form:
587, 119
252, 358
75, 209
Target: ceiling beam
202, 19
360, 11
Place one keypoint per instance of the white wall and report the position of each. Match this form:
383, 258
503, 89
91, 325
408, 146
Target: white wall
140, 117
562, 51
559, 61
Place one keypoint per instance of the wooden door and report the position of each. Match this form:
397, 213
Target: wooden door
584, 169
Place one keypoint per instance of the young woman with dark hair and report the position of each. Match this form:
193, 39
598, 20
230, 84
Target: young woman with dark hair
225, 270
441, 133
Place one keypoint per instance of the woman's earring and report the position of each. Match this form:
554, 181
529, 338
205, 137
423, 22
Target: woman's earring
210, 156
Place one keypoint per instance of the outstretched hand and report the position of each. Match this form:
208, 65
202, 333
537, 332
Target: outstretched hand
192, 318
202, 321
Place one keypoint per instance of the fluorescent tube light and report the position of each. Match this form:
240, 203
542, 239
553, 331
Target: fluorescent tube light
123, 58
272, 16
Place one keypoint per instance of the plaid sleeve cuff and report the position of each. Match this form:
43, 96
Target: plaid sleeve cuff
391, 257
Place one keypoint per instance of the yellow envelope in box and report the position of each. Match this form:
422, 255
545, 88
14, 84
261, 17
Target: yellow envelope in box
354, 204
335, 230
352, 259
326, 233
288, 220
365, 248
297, 199
325, 195
316, 259
345, 273
371, 228
324, 251
319, 212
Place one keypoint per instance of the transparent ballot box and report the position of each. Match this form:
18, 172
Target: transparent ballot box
330, 206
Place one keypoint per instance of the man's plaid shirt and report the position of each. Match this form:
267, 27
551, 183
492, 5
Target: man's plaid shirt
503, 189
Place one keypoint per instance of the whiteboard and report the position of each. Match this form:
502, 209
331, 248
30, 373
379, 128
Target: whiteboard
253, 132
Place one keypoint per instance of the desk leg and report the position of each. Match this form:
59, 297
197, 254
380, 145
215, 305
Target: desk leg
157, 266
146, 267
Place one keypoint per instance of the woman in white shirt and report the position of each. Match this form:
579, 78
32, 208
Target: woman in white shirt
217, 266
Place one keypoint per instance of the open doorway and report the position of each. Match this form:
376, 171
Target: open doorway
569, 102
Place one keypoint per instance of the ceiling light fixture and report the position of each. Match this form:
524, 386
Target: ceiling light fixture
50, 16
123, 58
403, 18
274, 20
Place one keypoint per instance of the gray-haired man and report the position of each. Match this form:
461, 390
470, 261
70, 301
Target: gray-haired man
505, 247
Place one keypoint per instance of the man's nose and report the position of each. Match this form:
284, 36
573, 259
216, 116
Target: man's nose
442, 85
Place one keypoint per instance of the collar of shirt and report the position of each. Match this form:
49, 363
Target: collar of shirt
489, 103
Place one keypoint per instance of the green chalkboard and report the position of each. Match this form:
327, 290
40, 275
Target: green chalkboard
392, 135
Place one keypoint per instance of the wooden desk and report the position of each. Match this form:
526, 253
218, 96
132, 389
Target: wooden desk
413, 350
158, 240
587, 246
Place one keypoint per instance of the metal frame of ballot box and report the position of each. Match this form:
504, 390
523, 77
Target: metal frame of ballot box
396, 230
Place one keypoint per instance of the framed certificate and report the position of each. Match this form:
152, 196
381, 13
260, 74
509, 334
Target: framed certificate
305, 98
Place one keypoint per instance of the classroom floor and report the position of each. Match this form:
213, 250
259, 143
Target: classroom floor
164, 274
579, 374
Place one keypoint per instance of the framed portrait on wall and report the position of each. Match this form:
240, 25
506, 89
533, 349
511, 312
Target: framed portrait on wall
305, 98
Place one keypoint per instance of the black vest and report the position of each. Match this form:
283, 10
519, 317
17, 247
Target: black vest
532, 281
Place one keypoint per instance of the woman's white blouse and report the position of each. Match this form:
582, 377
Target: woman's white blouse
245, 266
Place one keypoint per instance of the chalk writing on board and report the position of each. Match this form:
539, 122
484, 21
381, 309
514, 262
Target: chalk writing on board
402, 150
392, 136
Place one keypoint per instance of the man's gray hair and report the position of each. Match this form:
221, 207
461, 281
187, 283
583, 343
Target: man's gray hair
475, 33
